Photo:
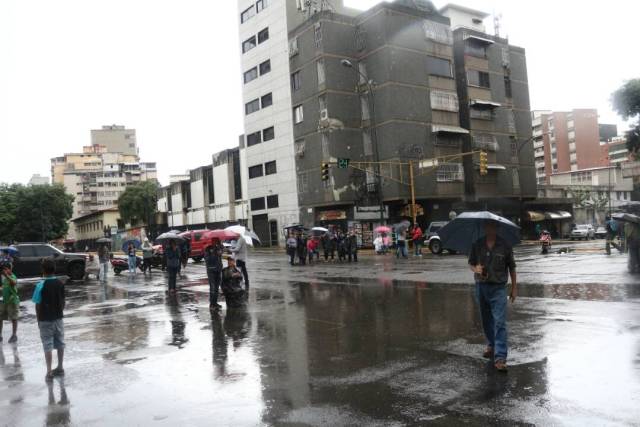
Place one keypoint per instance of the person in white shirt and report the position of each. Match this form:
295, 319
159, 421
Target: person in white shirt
239, 251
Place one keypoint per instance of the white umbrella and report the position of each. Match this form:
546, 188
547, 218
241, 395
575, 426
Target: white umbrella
322, 229
249, 236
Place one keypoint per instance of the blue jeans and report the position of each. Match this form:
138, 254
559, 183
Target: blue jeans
492, 299
132, 264
402, 249
417, 247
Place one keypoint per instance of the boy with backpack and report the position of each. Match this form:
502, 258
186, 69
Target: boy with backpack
49, 299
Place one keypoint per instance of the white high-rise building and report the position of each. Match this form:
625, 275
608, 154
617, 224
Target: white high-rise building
268, 117
268, 122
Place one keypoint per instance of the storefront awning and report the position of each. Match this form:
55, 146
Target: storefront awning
448, 129
535, 216
479, 39
557, 215
483, 103
564, 214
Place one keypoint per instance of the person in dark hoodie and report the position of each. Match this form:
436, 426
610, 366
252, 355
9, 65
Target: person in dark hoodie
213, 261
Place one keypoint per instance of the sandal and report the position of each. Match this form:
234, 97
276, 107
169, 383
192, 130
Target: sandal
488, 353
501, 365
49, 377
58, 372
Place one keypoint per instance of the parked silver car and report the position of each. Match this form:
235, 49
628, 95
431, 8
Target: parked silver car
583, 231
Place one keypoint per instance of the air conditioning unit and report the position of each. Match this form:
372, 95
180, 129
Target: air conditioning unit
324, 114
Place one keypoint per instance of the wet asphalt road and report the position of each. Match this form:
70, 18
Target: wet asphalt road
385, 342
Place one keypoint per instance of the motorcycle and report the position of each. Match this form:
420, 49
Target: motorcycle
545, 242
122, 264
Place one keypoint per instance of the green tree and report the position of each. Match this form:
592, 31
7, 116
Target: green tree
139, 202
626, 102
7, 212
34, 213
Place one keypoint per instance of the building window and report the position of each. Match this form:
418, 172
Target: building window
272, 201
263, 35
475, 48
265, 67
247, 14
296, 83
571, 135
256, 171
511, 121
441, 100
439, 67
252, 74
317, 34
485, 142
513, 148
478, 78
237, 178
481, 113
450, 172
299, 148
266, 100
298, 114
445, 139
321, 71
270, 168
581, 177
268, 134
257, 204
293, 47
261, 5
505, 57
507, 87
252, 106
438, 32
248, 44
253, 139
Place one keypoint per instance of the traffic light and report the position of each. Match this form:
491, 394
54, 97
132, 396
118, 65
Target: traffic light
324, 171
483, 163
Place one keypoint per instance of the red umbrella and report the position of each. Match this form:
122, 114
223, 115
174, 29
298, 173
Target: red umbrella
220, 235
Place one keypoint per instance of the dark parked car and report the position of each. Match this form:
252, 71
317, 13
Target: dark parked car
28, 262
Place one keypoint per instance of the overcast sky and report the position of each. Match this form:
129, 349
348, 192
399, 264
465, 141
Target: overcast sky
171, 70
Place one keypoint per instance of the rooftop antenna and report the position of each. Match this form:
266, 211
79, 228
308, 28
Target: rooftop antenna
312, 7
496, 24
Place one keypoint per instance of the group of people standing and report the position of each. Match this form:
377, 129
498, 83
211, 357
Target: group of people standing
301, 247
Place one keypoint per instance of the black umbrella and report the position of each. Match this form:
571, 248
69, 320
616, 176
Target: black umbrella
167, 237
626, 217
103, 240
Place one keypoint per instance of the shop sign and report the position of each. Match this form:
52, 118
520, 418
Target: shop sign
332, 215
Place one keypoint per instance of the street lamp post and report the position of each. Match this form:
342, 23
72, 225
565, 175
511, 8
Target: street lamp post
374, 136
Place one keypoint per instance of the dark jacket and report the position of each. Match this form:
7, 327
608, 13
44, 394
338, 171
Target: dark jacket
173, 257
497, 262
213, 259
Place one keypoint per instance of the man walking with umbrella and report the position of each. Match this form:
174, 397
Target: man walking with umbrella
492, 262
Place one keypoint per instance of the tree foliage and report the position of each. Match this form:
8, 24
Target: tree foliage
34, 213
138, 202
626, 102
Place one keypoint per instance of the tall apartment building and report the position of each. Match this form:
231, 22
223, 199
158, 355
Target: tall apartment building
567, 141
98, 175
441, 86
267, 114
116, 139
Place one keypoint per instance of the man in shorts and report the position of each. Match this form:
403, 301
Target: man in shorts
49, 299
10, 302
